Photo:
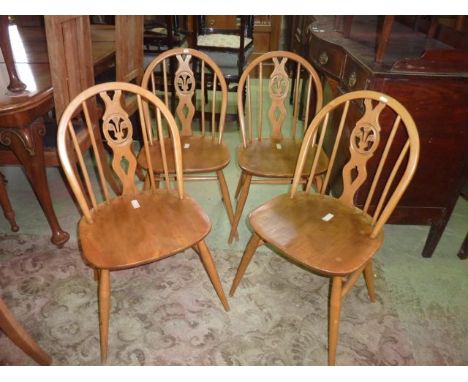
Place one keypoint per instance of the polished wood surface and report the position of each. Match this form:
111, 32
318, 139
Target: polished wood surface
265, 153
13, 329
6, 205
22, 127
325, 231
137, 226
175, 76
429, 77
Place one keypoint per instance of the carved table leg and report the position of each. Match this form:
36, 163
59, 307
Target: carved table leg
27, 144
6, 205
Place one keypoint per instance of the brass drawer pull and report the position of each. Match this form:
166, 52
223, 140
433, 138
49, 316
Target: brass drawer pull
323, 58
352, 79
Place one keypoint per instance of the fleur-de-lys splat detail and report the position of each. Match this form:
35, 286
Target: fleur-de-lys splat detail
365, 139
184, 83
278, 89
118, 132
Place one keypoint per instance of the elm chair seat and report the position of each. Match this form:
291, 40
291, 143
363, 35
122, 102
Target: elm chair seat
201, 154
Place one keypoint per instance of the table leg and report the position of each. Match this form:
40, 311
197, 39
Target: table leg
27, 144
6, 205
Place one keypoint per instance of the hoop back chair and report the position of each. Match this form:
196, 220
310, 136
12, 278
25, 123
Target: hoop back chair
327, 233
266, 155
138, 226
203, 148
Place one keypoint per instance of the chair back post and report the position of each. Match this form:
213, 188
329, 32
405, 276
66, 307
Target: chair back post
365, 143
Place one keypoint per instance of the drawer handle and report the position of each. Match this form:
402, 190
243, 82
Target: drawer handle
211, 23
352, 79
323, 58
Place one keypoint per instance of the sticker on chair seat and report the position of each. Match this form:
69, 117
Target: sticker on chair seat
328, 217
186, 145
135, 203
278, 146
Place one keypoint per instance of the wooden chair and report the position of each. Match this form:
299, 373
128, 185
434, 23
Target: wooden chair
164, 32
136, 227
230, 48
327, 233
203, 150
13, 329
266, 153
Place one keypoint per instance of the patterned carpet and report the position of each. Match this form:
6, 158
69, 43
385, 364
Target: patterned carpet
167, 313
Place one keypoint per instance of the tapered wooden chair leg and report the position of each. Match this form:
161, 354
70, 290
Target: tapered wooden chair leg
104, 304
334, 319
369, 277
210, 267
239, 184
248, 254
20, 337
226, 198
240, 206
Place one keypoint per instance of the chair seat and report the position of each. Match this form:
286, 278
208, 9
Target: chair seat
265, 158
163, 225
199, 154
296, 227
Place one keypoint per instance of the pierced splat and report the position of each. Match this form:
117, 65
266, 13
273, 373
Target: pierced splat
184, 84
364, 140
118, 132
278, 90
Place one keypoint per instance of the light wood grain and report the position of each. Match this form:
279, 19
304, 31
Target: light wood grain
265, 151
185, 72
137, 226
324, 231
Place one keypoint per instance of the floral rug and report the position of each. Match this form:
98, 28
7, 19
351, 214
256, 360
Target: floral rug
167, 313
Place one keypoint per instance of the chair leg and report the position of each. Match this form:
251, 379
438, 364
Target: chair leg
334, 319
239, 184
226, 198
369, 277
210, 267
248, 254
240, 206
20, 337
104, 303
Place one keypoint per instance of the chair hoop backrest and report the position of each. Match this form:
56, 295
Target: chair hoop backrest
278, 88
117, 130
185, 80
365, 142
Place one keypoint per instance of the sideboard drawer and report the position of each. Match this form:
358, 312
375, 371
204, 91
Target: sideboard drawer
327, 57
355, 76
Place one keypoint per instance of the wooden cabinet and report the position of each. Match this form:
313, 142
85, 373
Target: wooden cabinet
430, 79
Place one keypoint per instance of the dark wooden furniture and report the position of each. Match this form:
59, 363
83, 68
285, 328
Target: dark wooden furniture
229, 45
6, 205
162, 33
325, 231
429, 78
138, 226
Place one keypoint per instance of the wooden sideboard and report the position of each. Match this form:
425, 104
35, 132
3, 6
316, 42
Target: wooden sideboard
428, 77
